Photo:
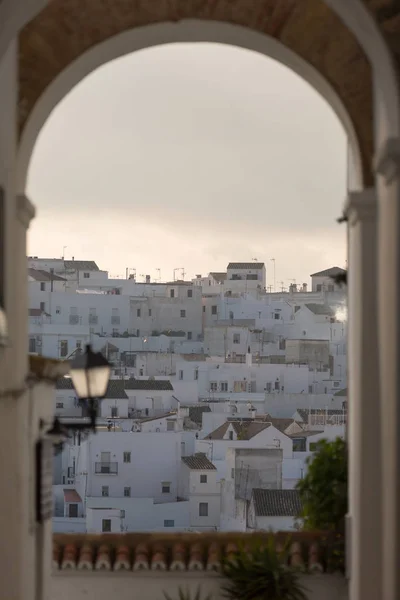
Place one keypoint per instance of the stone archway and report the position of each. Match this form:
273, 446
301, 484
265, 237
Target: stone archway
62, 35
166, 33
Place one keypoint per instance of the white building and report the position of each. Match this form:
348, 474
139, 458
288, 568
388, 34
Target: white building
247, 467
75, 272
199, 485
323, 281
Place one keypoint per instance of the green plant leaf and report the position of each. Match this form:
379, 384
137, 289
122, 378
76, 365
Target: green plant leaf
260, 573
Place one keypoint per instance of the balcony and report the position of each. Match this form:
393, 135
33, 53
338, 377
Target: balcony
93, 319
74, 319
115, 320
109, 468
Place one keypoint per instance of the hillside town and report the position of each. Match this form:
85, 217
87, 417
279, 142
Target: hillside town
220, 389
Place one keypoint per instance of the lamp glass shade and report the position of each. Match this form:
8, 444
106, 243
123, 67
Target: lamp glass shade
90, 374
3, 328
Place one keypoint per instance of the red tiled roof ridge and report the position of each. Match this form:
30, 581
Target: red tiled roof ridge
181, 551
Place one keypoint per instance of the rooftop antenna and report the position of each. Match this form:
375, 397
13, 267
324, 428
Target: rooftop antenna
183, 273
175, 270
282, 286
63, 254
159, 275
273, 261
255, 259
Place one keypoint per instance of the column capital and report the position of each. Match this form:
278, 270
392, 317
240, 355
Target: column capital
387, 160
361, 206
25, 210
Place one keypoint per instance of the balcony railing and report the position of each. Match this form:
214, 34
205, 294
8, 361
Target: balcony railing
115, 320
103, 468
73, 319
93, 319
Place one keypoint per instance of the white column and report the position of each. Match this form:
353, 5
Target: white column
363, 405
388, 186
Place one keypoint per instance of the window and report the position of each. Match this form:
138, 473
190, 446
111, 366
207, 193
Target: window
166, 487
196, 374
104, 491
86, 275
172, 293
122, 514
127, 492
336, 384
183, 314
169, 523
224, 386
203, 478
170, 425
42, 286
63, 348
276, 316
277, 384
115, 332
59, 404
204, 309
106, 525
233, 473
213, 386
310, 390
32, 344
313, 446
268, 387
58, 310
149, 312
236, 338
190, 293
319, 287
231, 435
180, 375
114, 411
78, 344
43, 306
214, 309
189, 335
127, 457
203, 509
138, 312
138, 332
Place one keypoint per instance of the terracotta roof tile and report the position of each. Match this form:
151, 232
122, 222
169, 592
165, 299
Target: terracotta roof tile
71, 496
328, 272
115, 388
194, 552
198, 462
276, 503
244, 265
244, 430
149, 384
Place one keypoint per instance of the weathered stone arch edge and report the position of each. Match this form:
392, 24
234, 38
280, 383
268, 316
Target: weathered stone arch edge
187, 30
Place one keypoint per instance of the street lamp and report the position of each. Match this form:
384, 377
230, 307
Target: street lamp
3, 327
90, 374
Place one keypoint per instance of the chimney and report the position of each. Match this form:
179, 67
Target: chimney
249, 360
147, 278
304, 287
198, 276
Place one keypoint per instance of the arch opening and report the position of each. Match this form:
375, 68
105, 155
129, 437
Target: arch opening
258, 152
169, 33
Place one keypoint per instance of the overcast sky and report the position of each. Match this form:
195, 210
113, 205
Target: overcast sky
191, 155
